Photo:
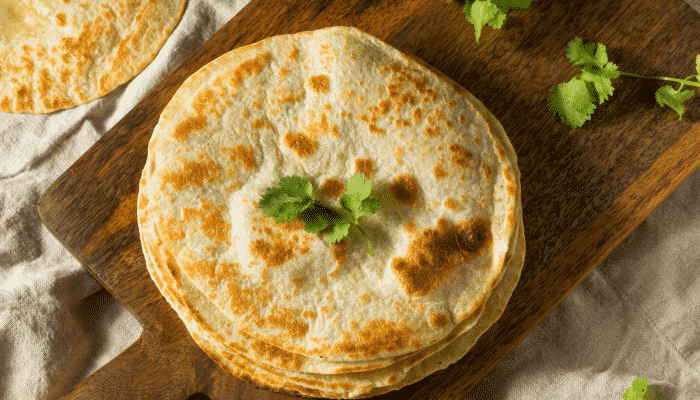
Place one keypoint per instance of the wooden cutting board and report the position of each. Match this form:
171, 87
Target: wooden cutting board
583, 190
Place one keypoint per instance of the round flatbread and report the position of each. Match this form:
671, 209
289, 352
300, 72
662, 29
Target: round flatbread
60, 54
321, 105
343, 384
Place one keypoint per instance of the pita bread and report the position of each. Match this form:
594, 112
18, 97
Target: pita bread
60, 54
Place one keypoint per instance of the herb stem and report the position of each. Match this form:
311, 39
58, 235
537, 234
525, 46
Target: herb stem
362, 231
364, 234
664, 78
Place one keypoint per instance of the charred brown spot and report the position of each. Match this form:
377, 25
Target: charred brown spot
404, 189
365, 166
302, 145
471, 238
319, 83
332, 187
437, 320
434, 253
340, 252
460, 155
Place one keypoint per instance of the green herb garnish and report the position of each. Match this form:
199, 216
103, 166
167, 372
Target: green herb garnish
292, 198
640, 391
490, 12
574, 101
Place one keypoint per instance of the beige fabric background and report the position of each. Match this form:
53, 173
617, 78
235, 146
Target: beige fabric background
637, 315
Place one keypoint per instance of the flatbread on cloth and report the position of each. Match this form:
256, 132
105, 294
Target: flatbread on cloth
60, 54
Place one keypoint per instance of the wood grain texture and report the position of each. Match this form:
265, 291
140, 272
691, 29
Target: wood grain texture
583, 190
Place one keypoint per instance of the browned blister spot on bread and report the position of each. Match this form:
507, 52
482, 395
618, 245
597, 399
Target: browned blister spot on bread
183, 129
376, 130
397, 155
434, 253
377, 336
242, 154
286, 319
384, 106
438, 172
248, 68
213, 224
451, 203
460, 155
486, 171
332, 187
319, 84
192, 173
365, 166
339, 251
274, 253
431, 131
61, 19
320, 127
301, 144
294, 55
204, 102
404, 189
437, 320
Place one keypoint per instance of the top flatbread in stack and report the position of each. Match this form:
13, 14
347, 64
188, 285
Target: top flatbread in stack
57, 54
284, 308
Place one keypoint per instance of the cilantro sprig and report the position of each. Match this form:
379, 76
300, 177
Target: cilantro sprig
490, 12
575, 101
293, 197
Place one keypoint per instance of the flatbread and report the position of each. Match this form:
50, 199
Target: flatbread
60, 54
196, 210
322, 104
343, 385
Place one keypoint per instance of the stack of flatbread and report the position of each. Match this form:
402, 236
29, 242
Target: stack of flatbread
286, 309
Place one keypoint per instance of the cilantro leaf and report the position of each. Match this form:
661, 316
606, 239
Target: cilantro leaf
586, 54
573, 102
339, 231
593, 60
481, 13
316, 218
368, 207
666, 95
356, 198
358, 186
484, 13
601, 80
637, 391
293, 198
285, 202
296, 186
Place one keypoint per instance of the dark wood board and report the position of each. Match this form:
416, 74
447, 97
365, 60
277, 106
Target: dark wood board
583, 190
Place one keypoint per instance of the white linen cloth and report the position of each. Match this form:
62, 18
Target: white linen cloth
636, 315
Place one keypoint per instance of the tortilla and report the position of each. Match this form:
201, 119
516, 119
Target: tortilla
298, 104
349, 384
60, 54
284, 308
